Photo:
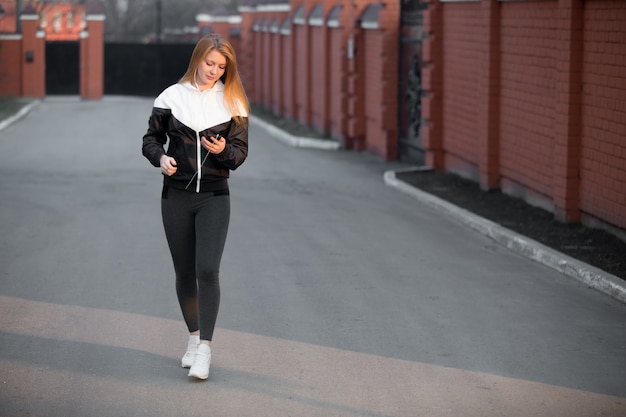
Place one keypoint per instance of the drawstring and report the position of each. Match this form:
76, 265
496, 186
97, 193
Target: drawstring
197, 173
199, 168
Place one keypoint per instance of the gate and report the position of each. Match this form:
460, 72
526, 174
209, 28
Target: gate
410, 147
143, 69
62, 68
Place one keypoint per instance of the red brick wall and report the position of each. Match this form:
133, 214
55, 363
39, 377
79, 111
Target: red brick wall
603, 136
320, 72
336, 82
265, 58
358, 90
33, 74
92, 59
277, 70
245, 54
235, 41
355, 80
374, 92
256, 66
10, 66
529, 97
319, 78
288, 83
567, 126
525, 96
267, 64
356, 95
302, 73
302, 63
528, 94
389, 23
18, 77
431, 130
488, 109
308, 87
222, 27
461, 63
381, 82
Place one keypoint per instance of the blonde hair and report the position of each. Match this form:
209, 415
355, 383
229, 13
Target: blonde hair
235, 98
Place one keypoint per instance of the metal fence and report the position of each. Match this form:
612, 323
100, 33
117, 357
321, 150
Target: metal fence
143, 69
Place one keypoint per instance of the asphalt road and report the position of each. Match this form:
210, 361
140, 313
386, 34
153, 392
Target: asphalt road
340, 295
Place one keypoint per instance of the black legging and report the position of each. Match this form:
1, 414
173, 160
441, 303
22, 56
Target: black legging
196, 225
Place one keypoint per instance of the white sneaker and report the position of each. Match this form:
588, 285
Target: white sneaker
190, 355
200, 367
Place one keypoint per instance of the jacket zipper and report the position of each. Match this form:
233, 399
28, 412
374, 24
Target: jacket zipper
198, 161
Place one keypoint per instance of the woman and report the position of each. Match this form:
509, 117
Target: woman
205, 117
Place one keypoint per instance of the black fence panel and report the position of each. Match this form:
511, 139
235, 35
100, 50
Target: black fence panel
62, 68
143, 69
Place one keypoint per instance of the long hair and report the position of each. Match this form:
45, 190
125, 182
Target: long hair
235, 98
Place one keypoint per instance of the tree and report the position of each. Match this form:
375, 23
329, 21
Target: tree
137, 20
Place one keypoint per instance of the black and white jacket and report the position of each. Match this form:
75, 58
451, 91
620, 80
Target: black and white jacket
183, 114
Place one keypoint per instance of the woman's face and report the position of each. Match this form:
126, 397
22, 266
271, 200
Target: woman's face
210, 70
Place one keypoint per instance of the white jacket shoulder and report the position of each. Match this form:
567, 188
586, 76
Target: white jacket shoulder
170, 95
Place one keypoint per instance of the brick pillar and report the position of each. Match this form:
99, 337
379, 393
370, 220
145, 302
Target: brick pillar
223, 24
245, 55
355, 74
276, 102
432, 101
257, 60
567, 157
302, 50
92, 56
265, 61
33, 56
337, 83
355, 91
320, 65
234, 37
12, 58
390, 23
344, 36
319, 72
489, 97
288, 77
278, 14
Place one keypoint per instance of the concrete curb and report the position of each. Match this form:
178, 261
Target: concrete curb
17, 116
593, 277
296, 141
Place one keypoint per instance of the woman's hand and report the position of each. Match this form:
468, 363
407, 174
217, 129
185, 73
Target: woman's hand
214, 145
168, 165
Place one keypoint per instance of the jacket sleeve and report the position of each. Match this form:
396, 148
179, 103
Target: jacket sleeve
236, 150
155, 138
